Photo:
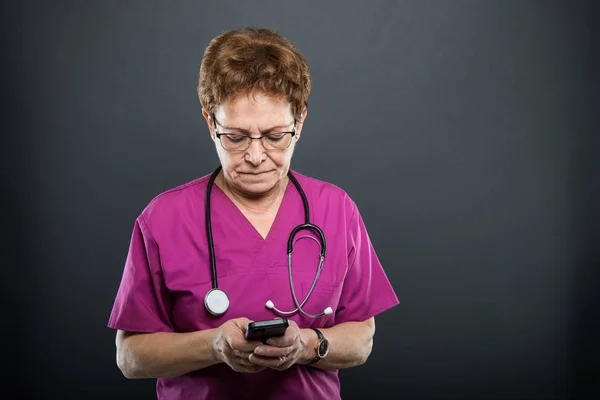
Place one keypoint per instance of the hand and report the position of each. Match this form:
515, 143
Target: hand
233, 349
281, 352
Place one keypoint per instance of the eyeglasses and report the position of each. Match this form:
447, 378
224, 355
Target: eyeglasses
270, 141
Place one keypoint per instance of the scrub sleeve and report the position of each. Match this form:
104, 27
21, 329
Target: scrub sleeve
367, 290
141, 303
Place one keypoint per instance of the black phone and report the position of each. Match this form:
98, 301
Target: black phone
262, 330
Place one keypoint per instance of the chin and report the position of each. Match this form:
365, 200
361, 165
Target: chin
256, 184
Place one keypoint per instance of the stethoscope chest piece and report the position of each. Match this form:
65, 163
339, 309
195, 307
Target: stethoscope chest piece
216, 302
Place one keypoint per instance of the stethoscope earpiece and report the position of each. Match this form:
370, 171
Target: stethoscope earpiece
271, 306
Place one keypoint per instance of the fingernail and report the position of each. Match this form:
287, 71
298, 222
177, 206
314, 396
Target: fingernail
258, 350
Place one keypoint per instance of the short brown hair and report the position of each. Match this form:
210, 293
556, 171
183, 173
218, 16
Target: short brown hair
240, 62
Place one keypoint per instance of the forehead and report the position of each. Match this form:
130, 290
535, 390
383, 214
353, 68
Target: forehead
254, 110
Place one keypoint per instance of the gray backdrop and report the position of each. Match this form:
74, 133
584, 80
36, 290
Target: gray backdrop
464, 130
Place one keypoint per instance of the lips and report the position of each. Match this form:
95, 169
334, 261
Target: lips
254, 173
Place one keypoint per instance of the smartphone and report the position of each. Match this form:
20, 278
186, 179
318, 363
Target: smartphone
262, 330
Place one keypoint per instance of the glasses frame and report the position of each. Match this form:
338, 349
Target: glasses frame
250, 139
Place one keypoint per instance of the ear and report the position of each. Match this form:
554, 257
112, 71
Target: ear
300, 122
209, 121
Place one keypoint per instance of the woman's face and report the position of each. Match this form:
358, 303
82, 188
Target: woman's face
256, 170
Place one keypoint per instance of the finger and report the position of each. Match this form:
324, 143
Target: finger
292, 333
281, 341
272, 351
240, 353
246, 346
241, 323
283, 366
270, 362
241, 344
278, 367
288, 361
241, 364
235, 335
243, 361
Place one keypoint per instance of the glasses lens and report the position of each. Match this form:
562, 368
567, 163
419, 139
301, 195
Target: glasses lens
277, 141
235, 142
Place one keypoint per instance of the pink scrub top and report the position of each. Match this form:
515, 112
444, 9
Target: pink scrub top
167, 274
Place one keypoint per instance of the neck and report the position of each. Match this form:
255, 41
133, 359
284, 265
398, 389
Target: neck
255, 203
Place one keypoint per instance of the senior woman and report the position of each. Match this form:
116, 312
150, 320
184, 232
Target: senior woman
253, 240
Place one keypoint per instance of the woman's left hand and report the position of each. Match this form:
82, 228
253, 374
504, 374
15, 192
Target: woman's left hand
282, 352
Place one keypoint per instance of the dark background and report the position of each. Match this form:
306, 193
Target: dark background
466, 131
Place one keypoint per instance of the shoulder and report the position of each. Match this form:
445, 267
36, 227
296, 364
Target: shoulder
172, 203
321, 192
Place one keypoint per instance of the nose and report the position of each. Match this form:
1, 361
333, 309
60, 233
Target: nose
256, 153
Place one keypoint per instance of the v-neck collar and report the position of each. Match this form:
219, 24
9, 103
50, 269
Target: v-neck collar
249, 227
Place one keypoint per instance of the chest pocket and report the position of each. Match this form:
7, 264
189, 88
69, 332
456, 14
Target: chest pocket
305, 263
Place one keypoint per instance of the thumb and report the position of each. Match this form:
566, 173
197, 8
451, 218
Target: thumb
237, 330
242, 323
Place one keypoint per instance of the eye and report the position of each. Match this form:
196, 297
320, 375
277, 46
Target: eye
275, 137
236, 138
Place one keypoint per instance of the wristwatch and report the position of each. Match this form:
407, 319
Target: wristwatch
321, 348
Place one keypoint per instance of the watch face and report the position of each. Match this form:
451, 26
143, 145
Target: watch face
323, 348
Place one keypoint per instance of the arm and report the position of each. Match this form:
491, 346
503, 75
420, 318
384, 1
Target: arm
168, 354
164, 354
350, 344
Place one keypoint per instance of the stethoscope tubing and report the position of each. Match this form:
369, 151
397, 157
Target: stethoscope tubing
290, 244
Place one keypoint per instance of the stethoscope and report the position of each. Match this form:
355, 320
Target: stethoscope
216, 300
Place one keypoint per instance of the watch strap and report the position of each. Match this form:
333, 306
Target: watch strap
319, 333
320, 337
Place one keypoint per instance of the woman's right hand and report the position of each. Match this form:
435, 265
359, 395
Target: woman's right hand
232, 348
